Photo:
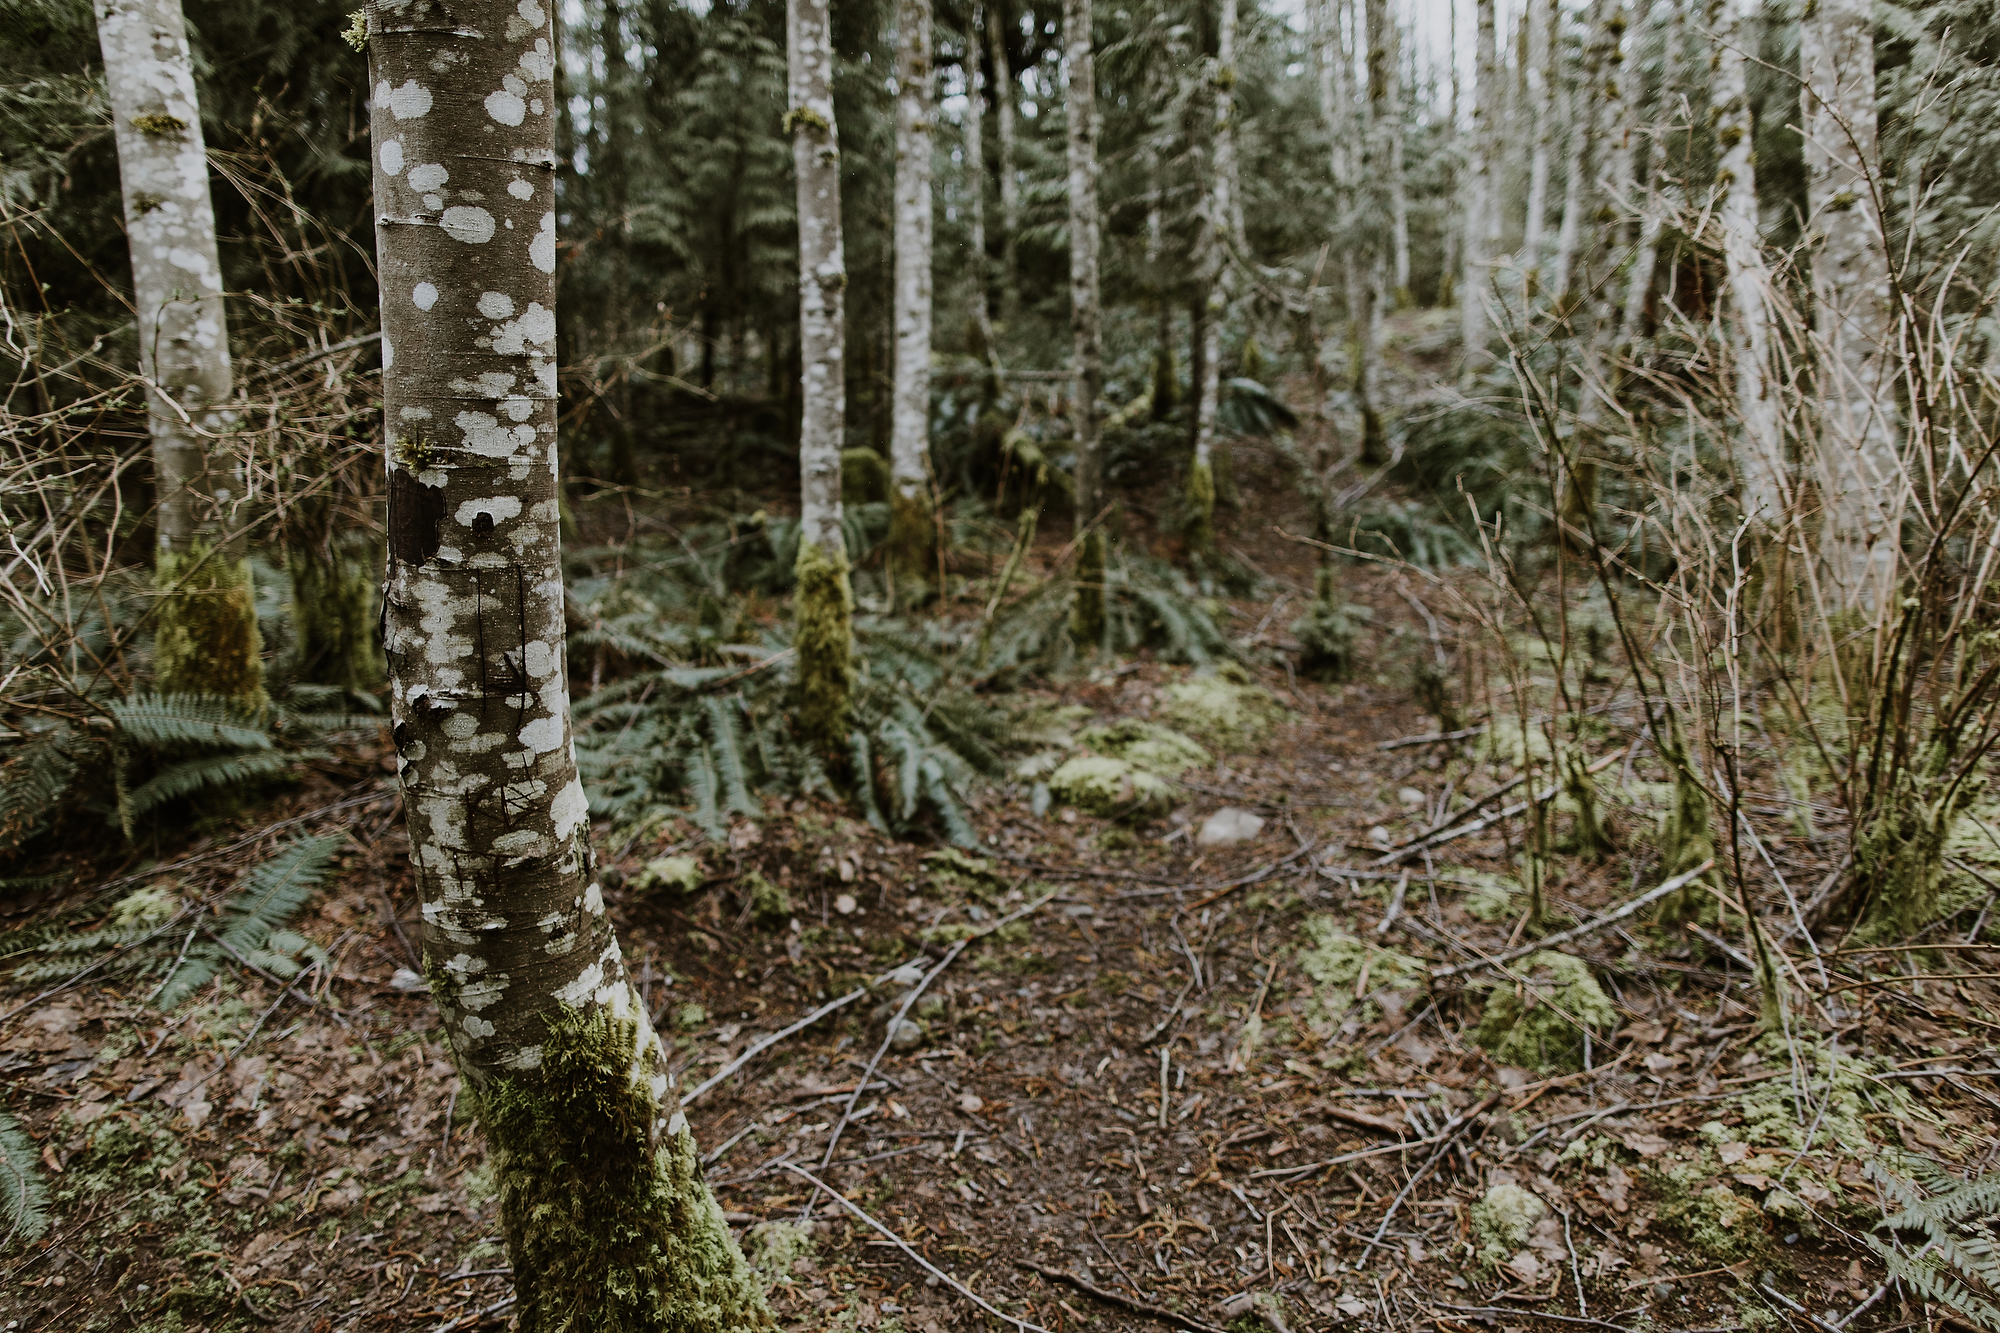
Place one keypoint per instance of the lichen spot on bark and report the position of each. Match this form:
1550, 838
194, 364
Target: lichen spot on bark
610, 1229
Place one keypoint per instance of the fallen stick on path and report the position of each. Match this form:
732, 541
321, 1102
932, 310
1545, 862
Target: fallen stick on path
1590, 927
1158, 1312
1432, 738
758, 1047
912, 1251
1453, 1128
1439, 837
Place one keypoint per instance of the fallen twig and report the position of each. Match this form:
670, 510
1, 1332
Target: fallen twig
1453, 1128
1590, 927
758, 1047
1432, 738
1113, 1298
1452, 834
912, 1251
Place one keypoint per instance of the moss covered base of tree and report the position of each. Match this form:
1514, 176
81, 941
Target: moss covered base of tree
1200, 508
912, 544
609, 1229
823, 635
334, 612
205, 636
1086, 621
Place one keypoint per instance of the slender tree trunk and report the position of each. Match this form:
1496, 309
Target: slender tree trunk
1479, 194
1368, 290
1219, 237
1543, 73
205, 618
612, 172
1762, 464
1086, 319
1165, 387
606, 1215
975, 177
1653, 199
912, 534
1853, 306
823, 606
1010, 184
1576, 168
1399, 195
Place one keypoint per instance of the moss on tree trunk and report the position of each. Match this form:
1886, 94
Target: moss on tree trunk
205, 636
1087, 615
822, 633
1201, 508
912, 544
609, 1222
334, 609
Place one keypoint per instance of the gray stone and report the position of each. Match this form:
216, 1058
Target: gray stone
1227, 827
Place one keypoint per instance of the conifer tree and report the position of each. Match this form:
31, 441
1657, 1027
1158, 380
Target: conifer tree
912, 534
823, 606
205, 638
608, 1221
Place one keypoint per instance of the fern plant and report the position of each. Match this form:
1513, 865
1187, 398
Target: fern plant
1958, 1265
24, 1198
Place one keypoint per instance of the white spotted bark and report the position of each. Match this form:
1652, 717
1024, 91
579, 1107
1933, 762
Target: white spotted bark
1010, 184
822, 273
1853, 305
975, 177
909, 422
1086, 317
514, 927
1543, 73
1762, 463
1399, 194
1652, 145
1220, 235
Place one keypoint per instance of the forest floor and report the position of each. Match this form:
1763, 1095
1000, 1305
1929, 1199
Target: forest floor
1215, 1080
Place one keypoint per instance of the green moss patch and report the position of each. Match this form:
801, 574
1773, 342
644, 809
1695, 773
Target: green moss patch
1503, 1220
671, 874
1225, 709
1539, 1020
1156, 749
823, 635
1111, 788
205, 635
1345, 970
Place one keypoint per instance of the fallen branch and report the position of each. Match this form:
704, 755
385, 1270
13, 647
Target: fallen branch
758, 1047
1452, 834
911, 1250
1591, 927
1158, 1312
1227, 886
1432, 738
1446, 1137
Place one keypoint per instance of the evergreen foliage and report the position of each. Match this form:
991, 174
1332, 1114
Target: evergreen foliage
1958, 1265
24, 1198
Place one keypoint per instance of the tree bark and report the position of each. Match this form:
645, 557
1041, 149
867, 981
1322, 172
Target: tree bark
1399, 195
1479, 194
1010, 185
612, 171
1219, 237
1367, 288
1544, 73
823, 605
975, 176
1652, 146
1576, 167
205, 617
912, 534
1086, 320
1762, 464
1853, 307
607, 1218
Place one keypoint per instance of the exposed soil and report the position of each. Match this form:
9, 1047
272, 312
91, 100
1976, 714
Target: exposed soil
300, 1159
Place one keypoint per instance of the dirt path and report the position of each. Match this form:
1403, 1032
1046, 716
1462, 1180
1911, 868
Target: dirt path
1191, 1074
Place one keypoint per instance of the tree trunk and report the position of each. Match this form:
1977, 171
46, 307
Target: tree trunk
1367, 293
1853, 306
1762, 464
205, 627
1086, 320
612, 171
975, 176
1653, 198
1479, 195
1165, 389
1218, 239
1543, 72
1399, 195
1576, 166
912, 534
823, 605
1010, 185
608, 1221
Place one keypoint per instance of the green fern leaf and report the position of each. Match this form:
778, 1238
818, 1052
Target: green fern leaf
267, 897
170, 720
33, 785
699, 767
729, 758
214, 770
24, 1199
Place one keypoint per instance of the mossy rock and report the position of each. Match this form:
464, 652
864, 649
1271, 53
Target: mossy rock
768, 901
1719, 1223
1503, 1220
1111, 788
1147, 745
1539, 1022
1225, 708
674, 874
1336, 960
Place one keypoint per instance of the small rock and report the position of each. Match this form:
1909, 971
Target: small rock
970, 1103
1079, 909
1379, 836
1411, 797
408, 982
845, 904
905, 1035
1227, 827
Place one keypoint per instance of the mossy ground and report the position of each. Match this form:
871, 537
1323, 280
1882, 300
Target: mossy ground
205, 636
1224, 708
1539, 1021
610, 1228
334, 614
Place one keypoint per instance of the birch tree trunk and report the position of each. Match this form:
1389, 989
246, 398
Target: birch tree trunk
205, 636
612, 169
1010, 185
1479, 194
1218, 239
1543, 73
607, 1218
1853, 306
823, 606
912, 533
1576, 168
1653, 200
975, 176
1399, 195
1086, 320
1762, 463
